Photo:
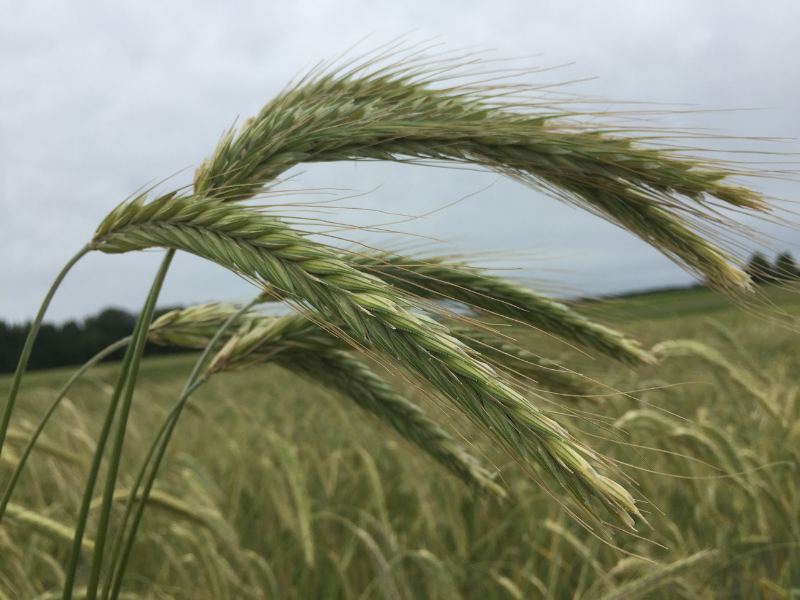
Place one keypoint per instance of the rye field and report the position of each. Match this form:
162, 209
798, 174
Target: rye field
275, 487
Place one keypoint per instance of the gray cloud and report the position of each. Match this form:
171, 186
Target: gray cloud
96, 100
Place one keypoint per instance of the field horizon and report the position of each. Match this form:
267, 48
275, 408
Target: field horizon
276, 488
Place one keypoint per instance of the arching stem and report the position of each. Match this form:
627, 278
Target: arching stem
125, 382
26, 350
46, 417
156, 453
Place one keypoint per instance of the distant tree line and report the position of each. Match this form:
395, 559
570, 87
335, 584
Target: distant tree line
72, 343
783, 269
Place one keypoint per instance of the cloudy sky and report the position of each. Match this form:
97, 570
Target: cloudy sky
98, 99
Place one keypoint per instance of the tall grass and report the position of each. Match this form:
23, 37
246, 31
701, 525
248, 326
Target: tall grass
382, 307
266, 468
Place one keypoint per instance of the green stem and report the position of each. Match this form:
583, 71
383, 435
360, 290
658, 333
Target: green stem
156, 452
46, 417
158, 447
139, 342
26, 350
129, 367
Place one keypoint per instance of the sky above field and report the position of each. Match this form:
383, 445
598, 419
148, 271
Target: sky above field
100, 99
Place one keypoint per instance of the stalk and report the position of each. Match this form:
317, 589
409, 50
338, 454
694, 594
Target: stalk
130, 366
298, 343
26, 350
440, 277
297, 334
46, 417
156, 452
265, 250
401, 114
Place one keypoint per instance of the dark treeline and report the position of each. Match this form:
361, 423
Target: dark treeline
784, 268
72, 343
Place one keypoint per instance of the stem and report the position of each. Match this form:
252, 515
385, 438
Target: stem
129, 368
156, 452
138, 344
46, 417
26, 350
157, 448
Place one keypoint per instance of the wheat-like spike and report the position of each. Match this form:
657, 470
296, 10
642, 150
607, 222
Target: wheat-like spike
654, 193
695, 349
261, 339
45, 525
304, 355
298, 344
661, 574
544, 372
45, 446
438, 277
342, 372
266, 250
193, 327
167, 502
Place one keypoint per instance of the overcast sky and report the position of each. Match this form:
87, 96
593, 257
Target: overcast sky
98, 99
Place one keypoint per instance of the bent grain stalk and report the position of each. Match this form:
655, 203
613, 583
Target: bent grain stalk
661, 574
440, 278
295, 333
742, 377
122, 547
49, 413
398, 114
49, 527
26, 350
264, 249
125, 382
303, 347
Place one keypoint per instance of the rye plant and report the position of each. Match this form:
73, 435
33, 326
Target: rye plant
382, 305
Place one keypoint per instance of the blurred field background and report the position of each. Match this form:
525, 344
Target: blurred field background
276, 488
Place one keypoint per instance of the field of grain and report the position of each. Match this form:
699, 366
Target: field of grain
276, 488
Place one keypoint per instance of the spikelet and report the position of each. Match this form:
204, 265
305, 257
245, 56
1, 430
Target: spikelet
514, 360
437, 277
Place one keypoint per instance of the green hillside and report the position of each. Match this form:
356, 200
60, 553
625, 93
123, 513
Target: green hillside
276, 488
